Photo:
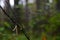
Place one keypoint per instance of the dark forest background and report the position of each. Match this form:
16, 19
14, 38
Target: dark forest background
40, 20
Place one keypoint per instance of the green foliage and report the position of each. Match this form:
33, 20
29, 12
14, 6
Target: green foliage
54, 23
2, 29
7, 24
55, 19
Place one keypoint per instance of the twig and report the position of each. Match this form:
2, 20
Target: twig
15, 23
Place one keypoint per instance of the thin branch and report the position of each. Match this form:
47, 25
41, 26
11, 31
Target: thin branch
15, 23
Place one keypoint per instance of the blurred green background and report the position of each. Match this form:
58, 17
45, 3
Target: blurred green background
39, 18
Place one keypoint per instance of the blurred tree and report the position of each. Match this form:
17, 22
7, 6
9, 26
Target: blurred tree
27, 15
38, 3
1, 18
58, 4
16, 10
